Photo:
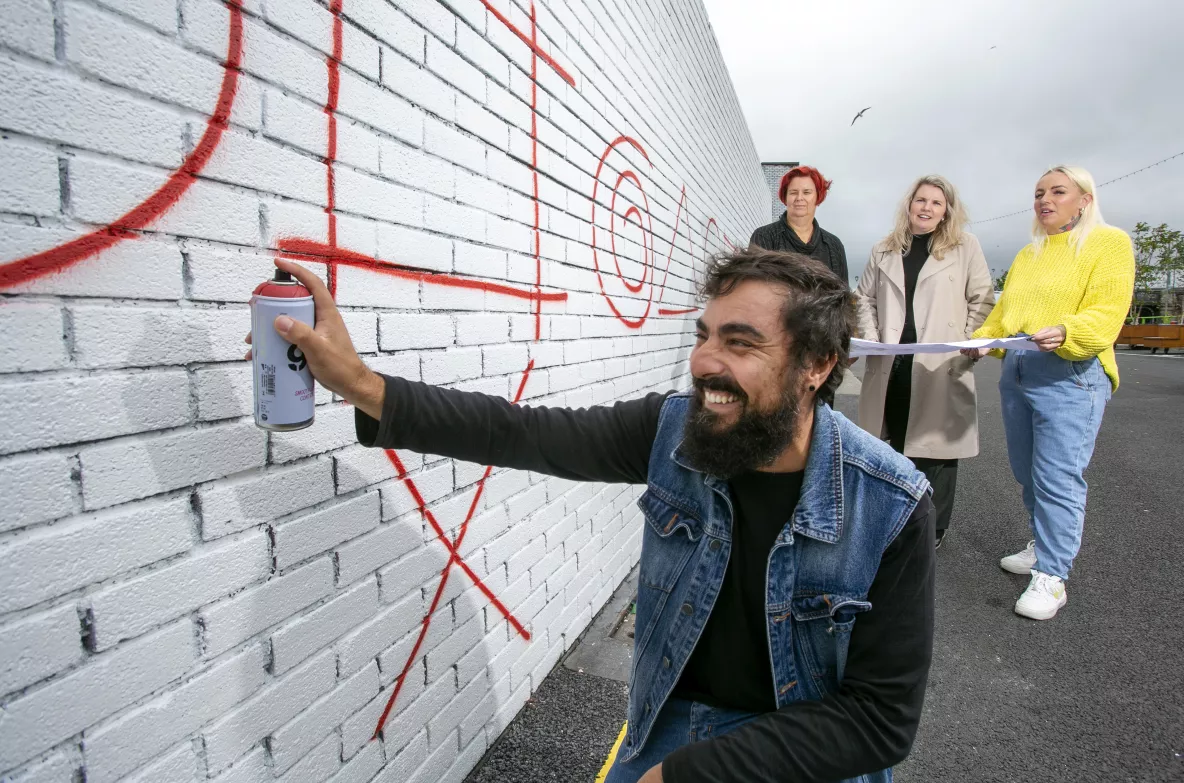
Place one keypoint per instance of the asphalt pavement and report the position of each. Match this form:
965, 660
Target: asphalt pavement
1096, 694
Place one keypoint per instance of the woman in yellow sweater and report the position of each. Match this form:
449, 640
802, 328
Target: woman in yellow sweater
1070, 290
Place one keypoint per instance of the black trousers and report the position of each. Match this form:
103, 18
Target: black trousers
942, 473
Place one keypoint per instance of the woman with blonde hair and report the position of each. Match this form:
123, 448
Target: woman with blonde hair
927, 281
1070, 289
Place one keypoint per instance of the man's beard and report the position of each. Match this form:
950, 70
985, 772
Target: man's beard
753, 441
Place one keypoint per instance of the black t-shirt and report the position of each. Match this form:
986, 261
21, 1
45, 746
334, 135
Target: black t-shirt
868, 725
730, 665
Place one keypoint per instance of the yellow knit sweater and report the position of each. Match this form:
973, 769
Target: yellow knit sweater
1089, 293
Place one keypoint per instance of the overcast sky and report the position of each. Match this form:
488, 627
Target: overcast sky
1098, 83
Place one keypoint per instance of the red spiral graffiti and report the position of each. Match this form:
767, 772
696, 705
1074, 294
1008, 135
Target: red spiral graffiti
647, 263
647, 235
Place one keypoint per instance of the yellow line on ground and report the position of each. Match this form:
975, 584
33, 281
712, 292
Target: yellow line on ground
612, 756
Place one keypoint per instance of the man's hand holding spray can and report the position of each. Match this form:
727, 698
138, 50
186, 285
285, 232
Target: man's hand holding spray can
298, 334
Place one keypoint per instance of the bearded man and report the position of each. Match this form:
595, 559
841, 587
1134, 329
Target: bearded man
786, 589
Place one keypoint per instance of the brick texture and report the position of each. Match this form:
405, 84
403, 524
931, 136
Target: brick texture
187, 597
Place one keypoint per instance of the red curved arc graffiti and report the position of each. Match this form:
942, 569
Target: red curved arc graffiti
63, 256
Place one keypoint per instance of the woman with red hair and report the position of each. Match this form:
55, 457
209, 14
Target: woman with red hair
802, 189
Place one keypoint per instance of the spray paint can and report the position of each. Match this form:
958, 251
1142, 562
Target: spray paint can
285, 397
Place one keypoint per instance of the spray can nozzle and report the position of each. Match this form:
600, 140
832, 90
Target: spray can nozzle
282, 276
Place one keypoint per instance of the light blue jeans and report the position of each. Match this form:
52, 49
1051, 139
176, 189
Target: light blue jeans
1052, 410
679, 723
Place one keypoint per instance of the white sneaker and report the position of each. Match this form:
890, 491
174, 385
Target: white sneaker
1043, 598
1021, 562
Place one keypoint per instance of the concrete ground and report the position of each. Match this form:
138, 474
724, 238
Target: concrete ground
1097, 694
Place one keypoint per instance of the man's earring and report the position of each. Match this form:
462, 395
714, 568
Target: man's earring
812, 387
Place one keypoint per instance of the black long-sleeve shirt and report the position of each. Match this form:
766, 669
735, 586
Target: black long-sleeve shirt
868, 725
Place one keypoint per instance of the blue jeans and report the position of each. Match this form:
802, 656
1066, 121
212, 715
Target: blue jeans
679, 723
1052, 410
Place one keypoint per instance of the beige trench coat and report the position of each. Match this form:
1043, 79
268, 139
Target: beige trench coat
952, 299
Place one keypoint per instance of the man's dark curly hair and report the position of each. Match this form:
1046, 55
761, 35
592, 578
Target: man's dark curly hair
819, 313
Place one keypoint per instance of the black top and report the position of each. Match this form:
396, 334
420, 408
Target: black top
914, 260
868, 725
823, 245
730, 665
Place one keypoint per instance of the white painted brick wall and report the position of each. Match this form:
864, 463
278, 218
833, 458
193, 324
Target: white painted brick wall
54, 411
42, 718
322, 530
54, 560
128, 608
32, 336
297, 640
185, 597
227, 623
141, 734
180, 765
272, 707
39, 646
292, 741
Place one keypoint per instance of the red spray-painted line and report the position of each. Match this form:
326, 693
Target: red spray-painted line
534, 168
319, 252
711, 222
455, 558
536, 53
334, 66
532, 41
691, 252
70, 253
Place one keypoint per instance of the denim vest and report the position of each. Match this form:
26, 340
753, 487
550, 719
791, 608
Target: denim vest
856, 496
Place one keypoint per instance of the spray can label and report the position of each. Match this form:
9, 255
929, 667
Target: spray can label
285, 397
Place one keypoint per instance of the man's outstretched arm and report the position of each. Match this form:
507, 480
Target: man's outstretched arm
602, 443
869, 724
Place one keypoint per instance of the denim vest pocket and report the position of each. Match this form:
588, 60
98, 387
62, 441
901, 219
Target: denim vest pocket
670, 538
824, 622
674, 529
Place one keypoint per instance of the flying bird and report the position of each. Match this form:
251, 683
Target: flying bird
993, 47
857, 116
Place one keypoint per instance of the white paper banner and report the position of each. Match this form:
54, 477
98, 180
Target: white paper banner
869, 348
